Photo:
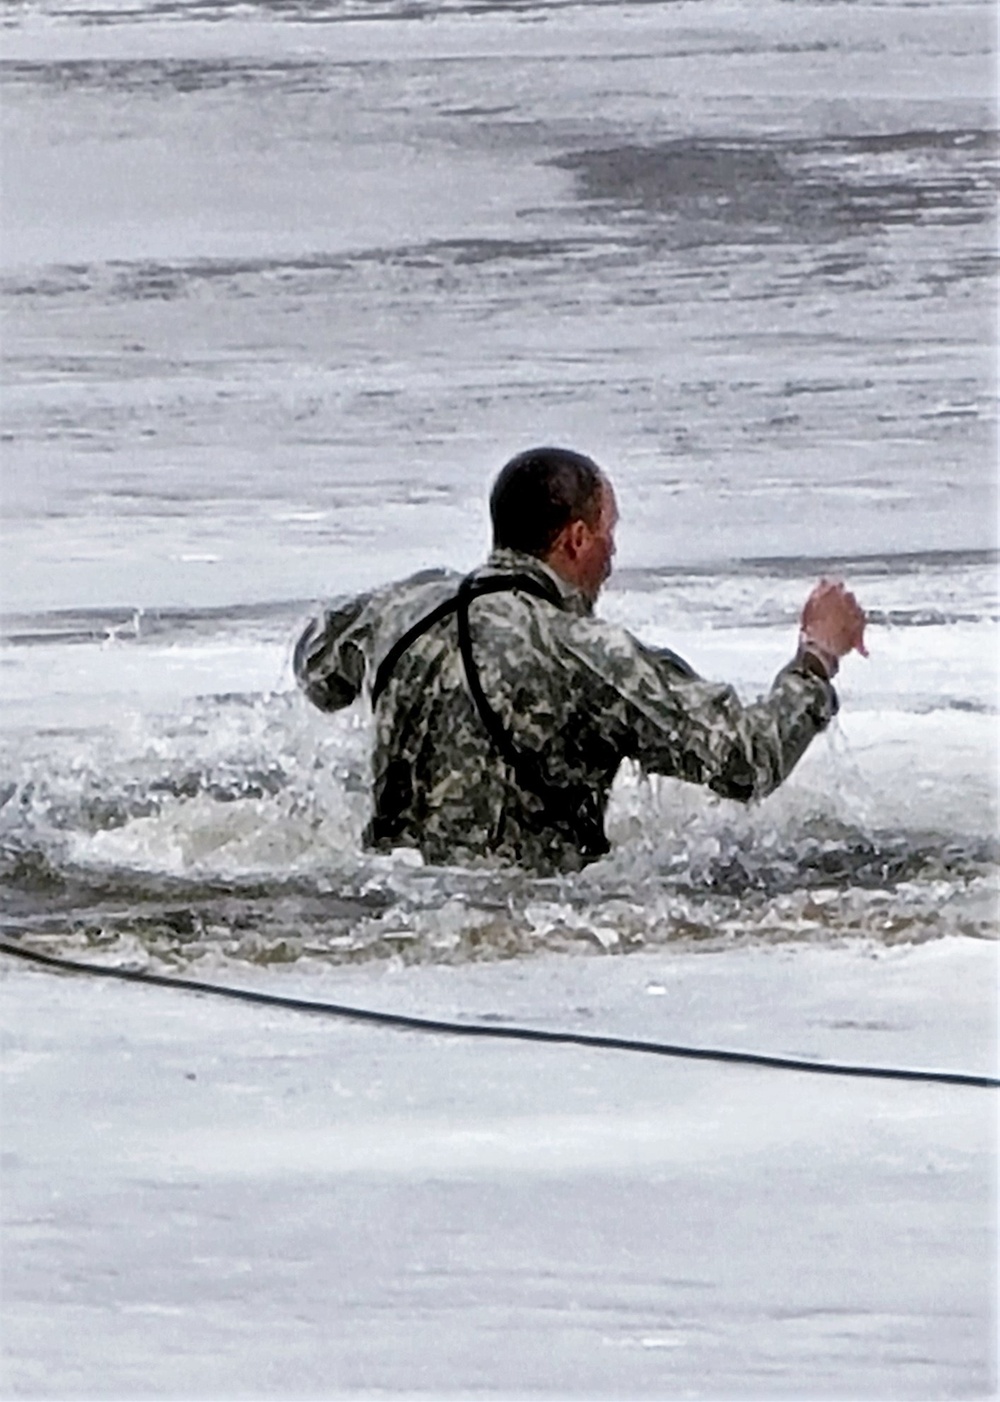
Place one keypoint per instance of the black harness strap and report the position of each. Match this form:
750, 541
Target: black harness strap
495, 727
498, 584
388, 664
573, 810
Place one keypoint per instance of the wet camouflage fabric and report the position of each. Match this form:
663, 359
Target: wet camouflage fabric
579, 694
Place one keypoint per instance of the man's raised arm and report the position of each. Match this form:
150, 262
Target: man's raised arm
675, 723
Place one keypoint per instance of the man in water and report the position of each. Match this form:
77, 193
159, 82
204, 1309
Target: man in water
503, 707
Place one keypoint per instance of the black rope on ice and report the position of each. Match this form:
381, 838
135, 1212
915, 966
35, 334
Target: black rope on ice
475, 1029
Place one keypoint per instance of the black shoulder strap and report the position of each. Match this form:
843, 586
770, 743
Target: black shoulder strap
495, 727
571, 809
574, 809
496, 584
400, 646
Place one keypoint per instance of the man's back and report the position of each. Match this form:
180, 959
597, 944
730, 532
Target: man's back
570, 697
440, 783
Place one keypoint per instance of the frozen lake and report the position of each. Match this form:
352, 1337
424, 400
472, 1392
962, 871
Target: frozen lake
284, 285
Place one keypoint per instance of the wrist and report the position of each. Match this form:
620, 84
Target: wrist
816, 658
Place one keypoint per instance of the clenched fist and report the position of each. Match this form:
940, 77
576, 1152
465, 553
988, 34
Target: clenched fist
833, 620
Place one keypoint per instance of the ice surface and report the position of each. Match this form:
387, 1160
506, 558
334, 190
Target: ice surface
230, 1202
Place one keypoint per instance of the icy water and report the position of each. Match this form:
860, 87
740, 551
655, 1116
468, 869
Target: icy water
286, 283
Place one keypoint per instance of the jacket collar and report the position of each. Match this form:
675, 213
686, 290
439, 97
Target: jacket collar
506, 561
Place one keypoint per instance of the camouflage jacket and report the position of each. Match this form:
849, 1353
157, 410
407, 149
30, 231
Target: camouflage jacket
575, 696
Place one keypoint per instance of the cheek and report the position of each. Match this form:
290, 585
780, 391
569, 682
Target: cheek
599, 563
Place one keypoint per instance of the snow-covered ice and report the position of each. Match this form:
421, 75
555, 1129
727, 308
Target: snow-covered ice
213, 1200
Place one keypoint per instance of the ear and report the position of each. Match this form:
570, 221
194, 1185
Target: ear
574, 538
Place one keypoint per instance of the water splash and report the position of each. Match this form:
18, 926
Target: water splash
233, 831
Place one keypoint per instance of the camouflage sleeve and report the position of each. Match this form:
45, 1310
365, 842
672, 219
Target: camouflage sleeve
740, 751
329, 657
674, 723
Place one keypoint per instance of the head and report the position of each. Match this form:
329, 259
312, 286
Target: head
558, 506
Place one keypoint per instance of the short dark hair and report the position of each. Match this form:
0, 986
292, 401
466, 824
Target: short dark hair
538, 493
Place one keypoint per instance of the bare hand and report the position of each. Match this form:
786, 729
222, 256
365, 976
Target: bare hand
834, 620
